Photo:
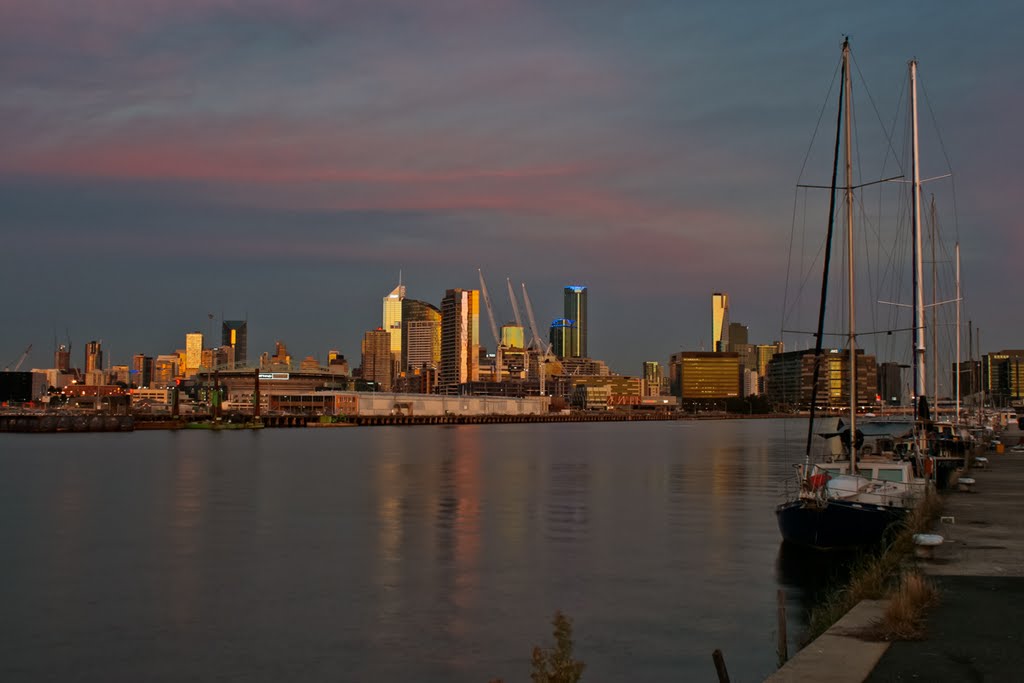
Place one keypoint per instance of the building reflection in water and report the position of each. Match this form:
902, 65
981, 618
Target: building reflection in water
186, 518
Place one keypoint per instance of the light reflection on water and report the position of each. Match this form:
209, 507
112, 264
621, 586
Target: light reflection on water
429, 554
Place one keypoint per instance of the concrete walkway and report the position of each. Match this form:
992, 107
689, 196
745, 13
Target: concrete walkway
976, 633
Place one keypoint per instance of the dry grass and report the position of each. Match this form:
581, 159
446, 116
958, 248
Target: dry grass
904, 616
885, 575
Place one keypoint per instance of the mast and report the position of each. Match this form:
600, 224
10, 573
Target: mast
919, 370
957, 333
935, 306
849, 267
819, 336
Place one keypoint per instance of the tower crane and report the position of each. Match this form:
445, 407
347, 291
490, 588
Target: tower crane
537, 342
21, 360
490, 309
515, 304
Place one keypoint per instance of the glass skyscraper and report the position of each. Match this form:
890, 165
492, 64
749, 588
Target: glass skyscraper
719, 321
576, 310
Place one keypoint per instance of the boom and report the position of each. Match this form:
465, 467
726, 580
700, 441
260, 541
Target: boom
490, 309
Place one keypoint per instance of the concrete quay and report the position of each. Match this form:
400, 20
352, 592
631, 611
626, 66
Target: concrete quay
973, 634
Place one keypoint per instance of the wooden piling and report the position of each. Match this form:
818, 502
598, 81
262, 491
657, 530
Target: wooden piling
723, 675
783, 648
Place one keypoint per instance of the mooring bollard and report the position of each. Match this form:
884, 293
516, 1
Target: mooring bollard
925, 544
965, 484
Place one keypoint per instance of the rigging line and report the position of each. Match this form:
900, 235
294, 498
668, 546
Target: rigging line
821, 116
871, 99
945, 155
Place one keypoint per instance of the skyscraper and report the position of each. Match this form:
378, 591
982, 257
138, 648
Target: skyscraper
391, 320
193, 352
719, 321
234, 333
460, 338
421, 335
562, 336
377, 358
93, 356
575, 309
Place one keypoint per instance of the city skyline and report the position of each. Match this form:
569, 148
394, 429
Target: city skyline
282, 165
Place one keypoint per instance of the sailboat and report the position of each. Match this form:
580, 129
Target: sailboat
844, 503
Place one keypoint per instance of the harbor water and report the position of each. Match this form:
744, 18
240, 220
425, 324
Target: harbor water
396, 553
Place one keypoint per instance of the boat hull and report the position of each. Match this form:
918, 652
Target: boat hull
836, 524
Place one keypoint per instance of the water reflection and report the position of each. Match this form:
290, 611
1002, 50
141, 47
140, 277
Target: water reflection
568, 515
809, 575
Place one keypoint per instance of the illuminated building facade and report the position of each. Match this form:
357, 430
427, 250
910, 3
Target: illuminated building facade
142, 370
93, 356
575, 310
460, 338
377, 358
653, 378
235, 333
1003, 376
421, 335
193, 352
62, 358
719, 321
697, 375
391, 320
562, 337
790, 379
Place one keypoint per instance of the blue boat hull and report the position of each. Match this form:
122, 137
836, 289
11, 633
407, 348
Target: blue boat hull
835, 523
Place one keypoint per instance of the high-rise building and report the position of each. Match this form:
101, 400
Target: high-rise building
719, 321
705, 375
377, 358
142, 370
421, 335
460, 338
575, 309
890, 383
165, 370
62, 358
562, 337
653, 378
193, 352
234, 333
93, 356
790, 378
281, 360
392, 318
737, 336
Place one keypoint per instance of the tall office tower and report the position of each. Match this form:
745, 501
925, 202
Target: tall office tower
392, 318
653, 378
193, 352
142, 370
62, 358
235, 333
377, 358
460, 338
576, 310
421, 335
93, 356
562, 336
719, 321
737, 335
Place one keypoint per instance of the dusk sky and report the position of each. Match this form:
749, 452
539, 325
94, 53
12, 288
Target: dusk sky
161, 160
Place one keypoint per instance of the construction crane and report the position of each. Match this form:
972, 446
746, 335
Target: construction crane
490, 309
537, 342
20, 360
515, 304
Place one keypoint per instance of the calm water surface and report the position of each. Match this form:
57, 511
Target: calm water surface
394, 554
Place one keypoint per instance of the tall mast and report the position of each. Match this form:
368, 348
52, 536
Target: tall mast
849, 265
935, 311
919, 370
958, 333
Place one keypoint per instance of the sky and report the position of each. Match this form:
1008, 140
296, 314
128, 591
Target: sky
284, 162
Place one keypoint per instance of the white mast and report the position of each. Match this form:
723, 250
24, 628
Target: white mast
935, 313
919, 369
850, 252
958, 333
